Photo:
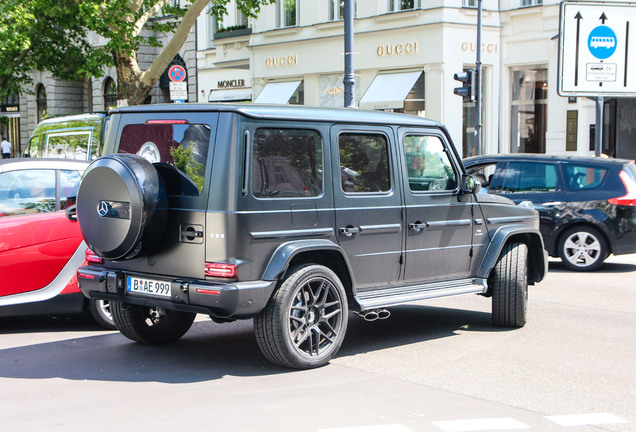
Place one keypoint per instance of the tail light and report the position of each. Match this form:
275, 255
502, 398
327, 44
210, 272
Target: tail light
630, 198
222, 270
92, 257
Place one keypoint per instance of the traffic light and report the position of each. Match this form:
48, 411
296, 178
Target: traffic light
467, 78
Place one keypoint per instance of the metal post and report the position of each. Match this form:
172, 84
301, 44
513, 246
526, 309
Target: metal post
349, 77
477, 90
598, 133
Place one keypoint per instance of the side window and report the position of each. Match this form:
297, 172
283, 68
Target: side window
69, 145
286, 163
27, 191
581, 177
526, 177
171, 145
364, 162
428, 165
69, 182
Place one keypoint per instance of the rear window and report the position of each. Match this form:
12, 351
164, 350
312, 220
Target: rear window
584, 177
183, 146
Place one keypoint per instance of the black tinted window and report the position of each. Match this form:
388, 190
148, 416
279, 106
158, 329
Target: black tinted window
525, 177
364, 163
286, 163
427, 163
581, 177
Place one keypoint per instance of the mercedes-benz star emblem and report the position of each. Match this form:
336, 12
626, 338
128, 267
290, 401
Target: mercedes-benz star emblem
103, 208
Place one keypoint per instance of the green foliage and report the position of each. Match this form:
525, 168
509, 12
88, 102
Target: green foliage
184, 160
53, 35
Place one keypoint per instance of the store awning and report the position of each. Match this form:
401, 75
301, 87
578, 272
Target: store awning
389, 90
242, 94
277, 93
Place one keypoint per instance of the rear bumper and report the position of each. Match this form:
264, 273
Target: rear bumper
232, 300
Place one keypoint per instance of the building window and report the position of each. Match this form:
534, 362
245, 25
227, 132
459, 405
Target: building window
401, 5
572, 127
110, 94
40, 100
531, 3
213, 25
286, 13
529, 110
336, 9
469, 3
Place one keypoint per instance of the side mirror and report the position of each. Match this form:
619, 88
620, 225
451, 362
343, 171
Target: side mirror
470, 184
71, 209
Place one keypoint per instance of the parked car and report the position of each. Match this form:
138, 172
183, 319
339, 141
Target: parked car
292, 216
587, 205
40, 248
76, 136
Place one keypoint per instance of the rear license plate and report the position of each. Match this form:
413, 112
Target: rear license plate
135, 285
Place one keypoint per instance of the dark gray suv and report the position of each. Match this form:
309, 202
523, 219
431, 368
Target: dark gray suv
292, 216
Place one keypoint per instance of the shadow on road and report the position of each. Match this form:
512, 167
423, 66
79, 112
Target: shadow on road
210, 351
607, 267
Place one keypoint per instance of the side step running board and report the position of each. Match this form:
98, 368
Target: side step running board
394, 296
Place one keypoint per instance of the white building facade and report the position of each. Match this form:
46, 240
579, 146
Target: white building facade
406, 53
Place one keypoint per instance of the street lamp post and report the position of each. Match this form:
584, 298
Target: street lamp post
349, 77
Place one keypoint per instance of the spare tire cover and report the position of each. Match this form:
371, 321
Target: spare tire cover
121, 206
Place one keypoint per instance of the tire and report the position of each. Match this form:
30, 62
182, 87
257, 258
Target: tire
100, 310
305, 321
150, 326
583, 248
510, 287
122, 207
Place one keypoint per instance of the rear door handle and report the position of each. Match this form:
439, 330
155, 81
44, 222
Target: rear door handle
349, 231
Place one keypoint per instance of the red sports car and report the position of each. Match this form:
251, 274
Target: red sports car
40, 248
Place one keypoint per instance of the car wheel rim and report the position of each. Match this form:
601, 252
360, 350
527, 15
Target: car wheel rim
582, 249
315, 317
104, 308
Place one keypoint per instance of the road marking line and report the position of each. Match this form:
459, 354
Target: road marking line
373, 428
586, 419
469, 425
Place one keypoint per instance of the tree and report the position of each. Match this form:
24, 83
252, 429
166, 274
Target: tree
46, 35
125, 38
53, 35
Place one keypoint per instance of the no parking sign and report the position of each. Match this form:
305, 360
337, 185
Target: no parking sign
178, 88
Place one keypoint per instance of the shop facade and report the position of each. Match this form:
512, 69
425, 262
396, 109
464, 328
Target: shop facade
406, 54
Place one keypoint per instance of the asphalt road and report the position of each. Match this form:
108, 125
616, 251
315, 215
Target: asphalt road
435, 366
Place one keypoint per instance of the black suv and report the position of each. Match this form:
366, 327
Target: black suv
292, 216
587, 205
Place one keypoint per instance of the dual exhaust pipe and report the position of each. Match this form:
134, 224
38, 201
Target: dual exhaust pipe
374, 314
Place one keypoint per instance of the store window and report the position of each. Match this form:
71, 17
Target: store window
401, 5
529, 110
336, 9
110, 94
40, 100
286, 13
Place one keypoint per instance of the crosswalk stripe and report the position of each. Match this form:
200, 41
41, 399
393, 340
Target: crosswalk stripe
470, 425
373, 428
586, 419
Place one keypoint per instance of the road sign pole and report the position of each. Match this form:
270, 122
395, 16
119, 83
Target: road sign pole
598, 134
